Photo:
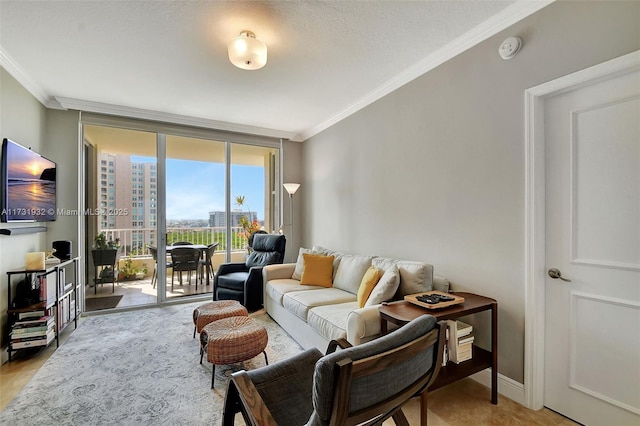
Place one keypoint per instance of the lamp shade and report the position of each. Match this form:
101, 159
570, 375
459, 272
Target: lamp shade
247, 52
291, 187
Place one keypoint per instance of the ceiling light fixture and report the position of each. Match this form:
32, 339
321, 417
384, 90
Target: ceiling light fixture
247, 52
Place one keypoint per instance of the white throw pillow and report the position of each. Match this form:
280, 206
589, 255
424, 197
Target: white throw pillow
297, 273
386, 287
350, 272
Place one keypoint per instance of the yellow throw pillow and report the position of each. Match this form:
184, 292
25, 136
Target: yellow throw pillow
318, 270
369, 281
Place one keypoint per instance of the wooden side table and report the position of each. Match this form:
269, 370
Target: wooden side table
402, 312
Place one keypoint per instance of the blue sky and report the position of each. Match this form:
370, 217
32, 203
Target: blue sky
194, 188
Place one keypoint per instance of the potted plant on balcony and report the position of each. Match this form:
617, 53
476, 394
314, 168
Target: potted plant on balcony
104, 255
130, 272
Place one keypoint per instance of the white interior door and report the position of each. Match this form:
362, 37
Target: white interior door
592, 324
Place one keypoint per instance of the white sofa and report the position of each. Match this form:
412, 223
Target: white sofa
314, 315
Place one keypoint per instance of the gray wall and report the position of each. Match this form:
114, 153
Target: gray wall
62, 146
434, 171
53, 134
22, 119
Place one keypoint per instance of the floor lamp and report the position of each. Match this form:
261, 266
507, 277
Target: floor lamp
291, 189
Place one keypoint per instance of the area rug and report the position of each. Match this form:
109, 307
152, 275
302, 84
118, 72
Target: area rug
134, 368
99, 303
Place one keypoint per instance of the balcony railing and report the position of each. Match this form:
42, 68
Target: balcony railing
134, 241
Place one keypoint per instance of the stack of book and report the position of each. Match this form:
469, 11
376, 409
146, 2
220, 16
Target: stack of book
32, 329
459, 341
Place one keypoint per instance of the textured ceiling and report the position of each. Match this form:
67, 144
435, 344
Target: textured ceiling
325, 58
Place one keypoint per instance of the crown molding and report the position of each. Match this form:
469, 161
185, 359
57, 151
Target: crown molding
8, 63
145, 114
509, 16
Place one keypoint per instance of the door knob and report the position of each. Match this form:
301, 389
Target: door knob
555, 273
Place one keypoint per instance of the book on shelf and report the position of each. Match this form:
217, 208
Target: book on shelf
460, 341
32, 342
30, 315
33, 322
27, 332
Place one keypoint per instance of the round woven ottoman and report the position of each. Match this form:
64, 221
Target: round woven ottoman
213, 311
231, 340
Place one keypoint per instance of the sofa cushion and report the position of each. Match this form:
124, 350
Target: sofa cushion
369, 281
318, 270
330, 321
234, 280
383, 263
415, 277
299, 302
386, 287
350, 272
297, 273
276, 289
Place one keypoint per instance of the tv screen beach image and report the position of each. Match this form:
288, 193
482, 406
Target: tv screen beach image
30, 185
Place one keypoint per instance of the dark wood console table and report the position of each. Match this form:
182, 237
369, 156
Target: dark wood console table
400, 313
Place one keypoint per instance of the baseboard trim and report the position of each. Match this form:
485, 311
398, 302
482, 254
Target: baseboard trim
506, 387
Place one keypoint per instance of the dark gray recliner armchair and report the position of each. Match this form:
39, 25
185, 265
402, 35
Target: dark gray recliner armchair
360, 385
243, 281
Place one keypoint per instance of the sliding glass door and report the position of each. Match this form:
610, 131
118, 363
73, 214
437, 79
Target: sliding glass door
195, 189
120, 217
161, 194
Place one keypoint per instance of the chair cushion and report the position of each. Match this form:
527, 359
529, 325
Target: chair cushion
286, 384
318, 270
377, 387
262, 258
233, 280
269, 242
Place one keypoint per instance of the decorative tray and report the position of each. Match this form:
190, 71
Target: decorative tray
434, 299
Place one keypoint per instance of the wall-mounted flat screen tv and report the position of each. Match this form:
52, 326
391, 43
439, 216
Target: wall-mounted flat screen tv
28, 185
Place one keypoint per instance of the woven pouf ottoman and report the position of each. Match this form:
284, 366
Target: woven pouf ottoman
213, 311
231, 340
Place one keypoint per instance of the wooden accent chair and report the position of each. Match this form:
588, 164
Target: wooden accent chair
363, 384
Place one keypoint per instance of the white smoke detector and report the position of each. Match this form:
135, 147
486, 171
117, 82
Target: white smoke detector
510, 47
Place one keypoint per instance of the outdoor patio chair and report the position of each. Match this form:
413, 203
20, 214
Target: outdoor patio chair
154, 253
206, 265
364, 384
185, 259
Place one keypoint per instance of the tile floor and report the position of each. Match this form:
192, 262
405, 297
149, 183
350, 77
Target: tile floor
141, 292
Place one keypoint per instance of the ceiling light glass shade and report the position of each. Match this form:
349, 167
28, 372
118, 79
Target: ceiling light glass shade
247, 52
291, 187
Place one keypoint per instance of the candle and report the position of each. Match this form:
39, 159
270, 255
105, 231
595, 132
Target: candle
34, 261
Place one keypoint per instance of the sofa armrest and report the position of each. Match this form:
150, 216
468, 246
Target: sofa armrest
278, 271
363, 324
440, 284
